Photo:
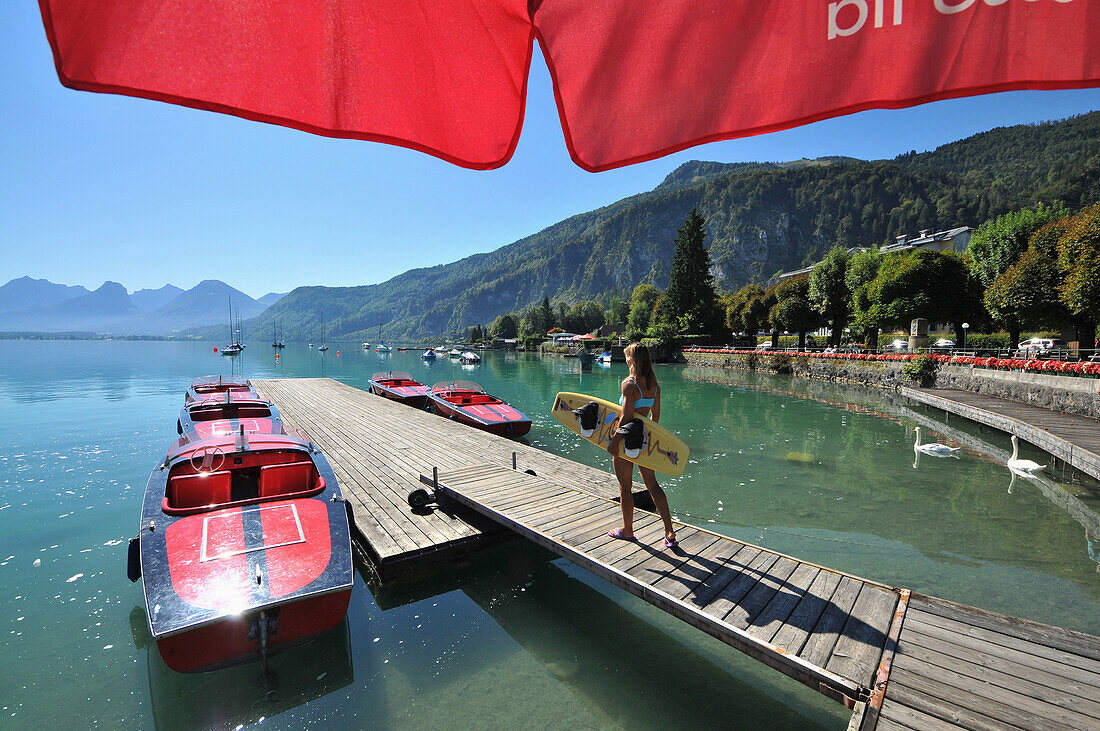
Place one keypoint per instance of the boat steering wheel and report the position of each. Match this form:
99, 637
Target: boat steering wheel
206, 457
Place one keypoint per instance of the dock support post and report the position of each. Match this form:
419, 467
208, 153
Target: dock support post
435, 479
513, 460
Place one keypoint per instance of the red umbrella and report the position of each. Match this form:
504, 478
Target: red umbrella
634, 79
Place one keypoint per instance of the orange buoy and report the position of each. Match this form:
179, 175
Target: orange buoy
215, 348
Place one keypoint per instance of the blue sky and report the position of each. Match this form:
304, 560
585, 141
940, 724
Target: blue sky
96, 187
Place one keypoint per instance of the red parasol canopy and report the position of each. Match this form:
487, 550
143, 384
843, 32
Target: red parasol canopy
634, 79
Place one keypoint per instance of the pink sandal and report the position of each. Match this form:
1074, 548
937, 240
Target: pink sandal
671, 543
618, 533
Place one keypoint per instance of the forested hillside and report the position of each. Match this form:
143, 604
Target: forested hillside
761, 219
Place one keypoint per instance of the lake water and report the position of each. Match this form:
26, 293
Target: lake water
515, 638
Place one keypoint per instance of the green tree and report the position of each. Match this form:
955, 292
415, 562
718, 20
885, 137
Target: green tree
862, 269
584, 317
793, 311
642, 301
691, 293
1079, 256
505, 326
736, 307
546, 315
618, 312
932, 284
1026, 295
997, 244
829, 291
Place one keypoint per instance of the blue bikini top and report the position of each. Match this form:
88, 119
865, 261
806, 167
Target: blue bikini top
640, 403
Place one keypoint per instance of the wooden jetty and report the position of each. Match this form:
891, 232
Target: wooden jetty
378, 448
1073, 439
900, 660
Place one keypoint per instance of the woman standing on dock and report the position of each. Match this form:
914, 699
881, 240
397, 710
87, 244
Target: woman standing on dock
641, 396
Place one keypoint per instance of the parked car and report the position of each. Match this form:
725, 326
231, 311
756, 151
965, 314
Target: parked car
898, 345
763, 346
1040, 347
944, 344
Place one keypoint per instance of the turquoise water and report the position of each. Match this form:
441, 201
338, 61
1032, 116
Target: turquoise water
515, 637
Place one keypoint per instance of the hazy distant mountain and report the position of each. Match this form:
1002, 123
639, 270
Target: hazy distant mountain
110, 310
207, 303
25, 293
94, 312
148, 300
271, 298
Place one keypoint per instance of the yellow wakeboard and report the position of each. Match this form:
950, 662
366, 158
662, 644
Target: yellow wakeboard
661, 451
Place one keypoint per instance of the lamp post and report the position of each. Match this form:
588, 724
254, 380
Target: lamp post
966, 326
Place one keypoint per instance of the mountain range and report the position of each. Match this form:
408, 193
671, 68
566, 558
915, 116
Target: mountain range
761, 219
37, 305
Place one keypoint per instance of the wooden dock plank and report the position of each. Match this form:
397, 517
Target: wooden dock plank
791, 636
1058, 638
859, 647
819, 645
775, 614
964, 717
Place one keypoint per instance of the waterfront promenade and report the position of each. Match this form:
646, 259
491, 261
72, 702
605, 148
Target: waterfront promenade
898, 659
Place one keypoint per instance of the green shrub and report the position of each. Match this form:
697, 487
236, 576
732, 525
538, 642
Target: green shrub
921, 370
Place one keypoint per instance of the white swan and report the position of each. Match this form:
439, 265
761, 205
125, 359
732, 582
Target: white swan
1023, 466
935, 448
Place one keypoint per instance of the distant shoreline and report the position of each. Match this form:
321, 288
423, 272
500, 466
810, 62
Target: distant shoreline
90, 336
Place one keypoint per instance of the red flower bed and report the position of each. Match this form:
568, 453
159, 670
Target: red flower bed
1056, 367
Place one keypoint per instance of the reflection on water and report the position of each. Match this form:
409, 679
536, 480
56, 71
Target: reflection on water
816, 470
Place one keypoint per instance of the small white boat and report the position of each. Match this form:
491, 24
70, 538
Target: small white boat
604, 357
470, 356
455, 353
366, 346
383, 348
429, 354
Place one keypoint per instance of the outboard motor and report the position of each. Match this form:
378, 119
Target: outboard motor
634, 437
588, 416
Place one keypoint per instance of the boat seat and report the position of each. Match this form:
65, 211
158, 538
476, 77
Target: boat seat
195, 491
287, 479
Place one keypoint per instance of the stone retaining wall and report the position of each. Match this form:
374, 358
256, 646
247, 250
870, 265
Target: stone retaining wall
1059, 393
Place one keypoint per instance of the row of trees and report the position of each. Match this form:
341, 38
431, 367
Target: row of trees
1036, 268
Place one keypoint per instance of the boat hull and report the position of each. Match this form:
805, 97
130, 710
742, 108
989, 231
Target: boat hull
399, 386
495, 416
213, 573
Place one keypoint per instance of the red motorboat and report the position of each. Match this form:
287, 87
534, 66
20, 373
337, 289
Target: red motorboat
244, 548
467, 402
212, 387
228, 415
399, 386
